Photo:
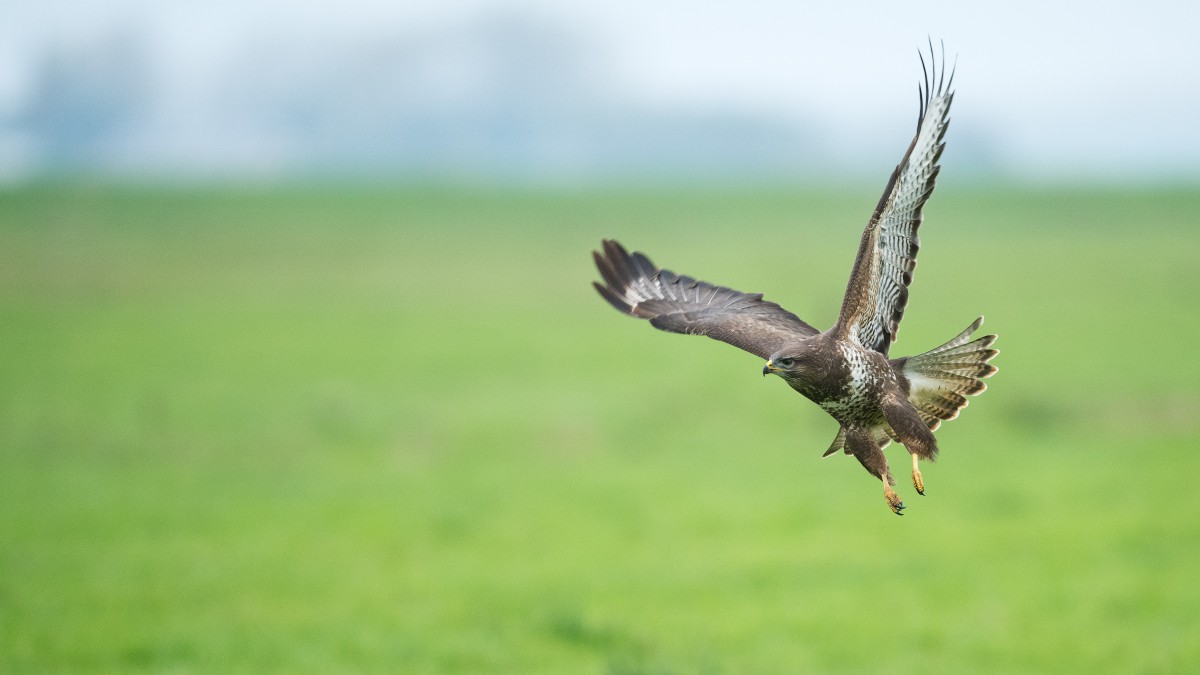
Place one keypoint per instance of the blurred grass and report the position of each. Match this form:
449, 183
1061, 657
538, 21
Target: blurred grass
362, 429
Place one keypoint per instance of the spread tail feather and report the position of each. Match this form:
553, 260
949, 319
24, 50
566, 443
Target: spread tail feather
941, 378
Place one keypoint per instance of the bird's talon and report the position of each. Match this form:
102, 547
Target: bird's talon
918, 479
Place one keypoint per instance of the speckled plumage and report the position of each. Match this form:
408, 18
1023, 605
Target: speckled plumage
845, 370
856, 401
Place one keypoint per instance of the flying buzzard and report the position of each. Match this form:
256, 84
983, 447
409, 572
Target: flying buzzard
846, 369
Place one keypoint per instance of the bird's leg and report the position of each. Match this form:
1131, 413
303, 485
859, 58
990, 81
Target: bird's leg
918, 481
912, 431
866, 450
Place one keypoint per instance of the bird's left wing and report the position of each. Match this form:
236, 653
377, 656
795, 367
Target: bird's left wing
681, 304
878, 288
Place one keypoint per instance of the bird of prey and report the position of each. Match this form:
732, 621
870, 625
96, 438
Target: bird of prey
846, 369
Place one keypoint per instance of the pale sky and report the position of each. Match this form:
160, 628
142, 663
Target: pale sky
1109, 90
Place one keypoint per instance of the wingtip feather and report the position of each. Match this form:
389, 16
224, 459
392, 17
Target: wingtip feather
613, 299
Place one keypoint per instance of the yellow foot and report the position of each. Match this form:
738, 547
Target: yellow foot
893, 500
918, 481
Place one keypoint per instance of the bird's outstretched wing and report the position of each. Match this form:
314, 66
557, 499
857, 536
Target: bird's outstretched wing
680, 304
878, 288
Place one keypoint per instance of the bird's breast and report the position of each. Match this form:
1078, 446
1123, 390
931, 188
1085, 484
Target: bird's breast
856, 397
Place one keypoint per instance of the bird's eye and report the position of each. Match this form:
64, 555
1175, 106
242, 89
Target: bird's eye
786, 362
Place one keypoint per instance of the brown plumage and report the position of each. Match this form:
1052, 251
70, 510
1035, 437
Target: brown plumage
845, 369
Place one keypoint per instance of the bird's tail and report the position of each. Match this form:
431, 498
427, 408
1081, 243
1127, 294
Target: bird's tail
942, 378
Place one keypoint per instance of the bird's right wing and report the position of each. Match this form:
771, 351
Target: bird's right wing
878, 290
680, 304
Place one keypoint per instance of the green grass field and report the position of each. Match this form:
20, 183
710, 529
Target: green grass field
321, 430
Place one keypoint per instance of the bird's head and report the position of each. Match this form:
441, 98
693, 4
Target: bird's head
799, 362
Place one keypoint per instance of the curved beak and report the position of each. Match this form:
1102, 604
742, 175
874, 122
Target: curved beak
769, 368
